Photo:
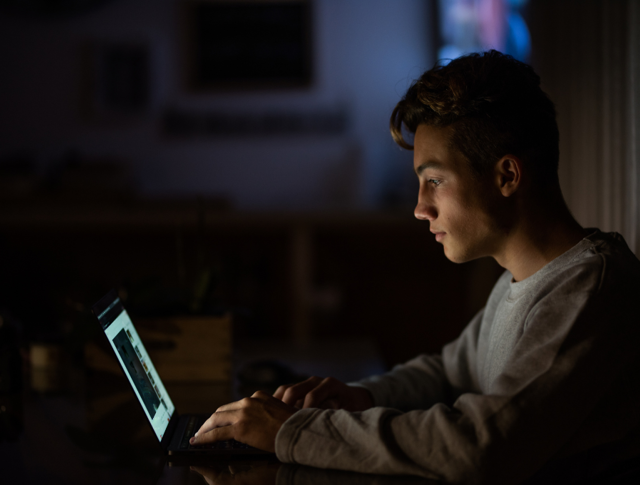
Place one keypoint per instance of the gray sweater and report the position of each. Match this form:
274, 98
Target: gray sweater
543, 384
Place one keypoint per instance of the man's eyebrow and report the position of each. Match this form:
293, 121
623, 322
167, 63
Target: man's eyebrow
426, 165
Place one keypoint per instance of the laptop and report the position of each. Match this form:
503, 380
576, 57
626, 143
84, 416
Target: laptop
171, 429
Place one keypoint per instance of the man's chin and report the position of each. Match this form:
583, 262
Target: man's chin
450, 255
457, 256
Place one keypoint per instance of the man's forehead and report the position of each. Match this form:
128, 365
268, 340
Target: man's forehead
428, 165
433, 132
431, 142
431, 147
432, 151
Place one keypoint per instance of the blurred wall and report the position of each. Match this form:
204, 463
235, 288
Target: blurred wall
366, 52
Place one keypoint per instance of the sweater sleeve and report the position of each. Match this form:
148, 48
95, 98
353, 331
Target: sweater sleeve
536, 411
424, 381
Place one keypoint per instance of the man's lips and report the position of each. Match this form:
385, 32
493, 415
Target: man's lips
439, 235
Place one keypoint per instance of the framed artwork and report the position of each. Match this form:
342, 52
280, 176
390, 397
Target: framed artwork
248, 44
116, 80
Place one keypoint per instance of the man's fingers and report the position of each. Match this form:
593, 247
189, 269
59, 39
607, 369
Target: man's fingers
228, 415
260, 396
279, 394
326, 390
217, 419
281, 390
232, 406
298, 391
255, 421
222, 433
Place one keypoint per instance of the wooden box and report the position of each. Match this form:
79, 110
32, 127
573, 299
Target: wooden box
186, 348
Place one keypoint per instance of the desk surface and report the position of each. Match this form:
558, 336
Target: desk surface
44, 439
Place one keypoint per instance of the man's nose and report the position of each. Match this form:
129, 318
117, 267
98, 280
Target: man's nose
425, 209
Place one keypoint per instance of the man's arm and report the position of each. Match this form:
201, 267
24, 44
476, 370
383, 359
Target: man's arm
570, 385
567, 365
417, 384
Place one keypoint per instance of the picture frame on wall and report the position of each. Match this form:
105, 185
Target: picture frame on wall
117, 80
248, 44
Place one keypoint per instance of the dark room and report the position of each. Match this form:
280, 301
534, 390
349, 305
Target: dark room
350, 241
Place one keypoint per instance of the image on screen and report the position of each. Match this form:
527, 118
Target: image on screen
136, 372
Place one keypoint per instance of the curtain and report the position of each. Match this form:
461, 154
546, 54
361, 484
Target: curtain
586, 52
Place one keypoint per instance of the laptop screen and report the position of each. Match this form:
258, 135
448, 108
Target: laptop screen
136, 363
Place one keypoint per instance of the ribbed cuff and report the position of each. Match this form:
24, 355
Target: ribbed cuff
289, 433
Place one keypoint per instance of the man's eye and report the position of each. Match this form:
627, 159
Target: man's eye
434, 182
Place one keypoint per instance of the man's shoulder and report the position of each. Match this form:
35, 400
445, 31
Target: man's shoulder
612, 246
602, 263
618, 267
608, 251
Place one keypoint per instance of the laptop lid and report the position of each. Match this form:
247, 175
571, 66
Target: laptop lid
136, 365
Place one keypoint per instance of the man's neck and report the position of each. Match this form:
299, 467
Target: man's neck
542, 237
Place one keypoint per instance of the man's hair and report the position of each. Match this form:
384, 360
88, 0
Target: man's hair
494, 106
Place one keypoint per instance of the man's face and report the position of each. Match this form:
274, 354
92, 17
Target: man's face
454, 200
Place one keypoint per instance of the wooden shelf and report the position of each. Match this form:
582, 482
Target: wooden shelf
147, 214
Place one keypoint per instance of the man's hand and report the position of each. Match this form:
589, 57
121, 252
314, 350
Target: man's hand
253, 420
327, 393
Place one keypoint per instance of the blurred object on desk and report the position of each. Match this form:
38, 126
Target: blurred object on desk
48, 367
183, 349
192, 348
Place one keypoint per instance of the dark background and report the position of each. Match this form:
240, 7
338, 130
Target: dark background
283, 201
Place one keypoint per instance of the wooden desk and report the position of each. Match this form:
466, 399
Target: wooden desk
50, 443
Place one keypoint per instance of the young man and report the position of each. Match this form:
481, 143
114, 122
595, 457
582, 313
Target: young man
544, 383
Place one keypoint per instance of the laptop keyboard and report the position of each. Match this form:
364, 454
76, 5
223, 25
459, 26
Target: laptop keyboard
193, 424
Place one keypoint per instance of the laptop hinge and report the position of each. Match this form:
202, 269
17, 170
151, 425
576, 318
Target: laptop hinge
171, 429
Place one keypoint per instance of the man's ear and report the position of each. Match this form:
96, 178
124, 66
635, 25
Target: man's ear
508, 174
